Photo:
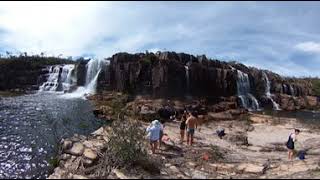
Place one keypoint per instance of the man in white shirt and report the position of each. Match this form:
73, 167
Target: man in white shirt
154, 135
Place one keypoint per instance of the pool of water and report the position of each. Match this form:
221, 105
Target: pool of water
31, 126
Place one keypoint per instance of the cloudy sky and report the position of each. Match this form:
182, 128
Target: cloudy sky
280, 36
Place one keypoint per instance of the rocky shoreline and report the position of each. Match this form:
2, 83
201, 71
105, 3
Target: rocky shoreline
253, 147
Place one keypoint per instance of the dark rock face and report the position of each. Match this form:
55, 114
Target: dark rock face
165, 74
170, 74
81, 72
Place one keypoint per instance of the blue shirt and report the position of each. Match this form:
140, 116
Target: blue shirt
154, 133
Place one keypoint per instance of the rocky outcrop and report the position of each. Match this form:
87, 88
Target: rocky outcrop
171, 74
25, 73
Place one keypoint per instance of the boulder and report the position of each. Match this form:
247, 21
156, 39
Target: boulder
251, 168
66, 145
174, 169
77, 149
79, 177
90, 154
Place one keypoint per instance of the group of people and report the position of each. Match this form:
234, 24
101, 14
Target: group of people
188, 125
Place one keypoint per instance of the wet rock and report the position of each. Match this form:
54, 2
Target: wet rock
90, 154
66, 145
77, 149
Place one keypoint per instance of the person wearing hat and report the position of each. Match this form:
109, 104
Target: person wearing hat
154, 135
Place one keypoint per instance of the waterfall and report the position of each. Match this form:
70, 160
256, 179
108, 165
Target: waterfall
248, 101
94, 67
60, 78
268, 94
187, 77
291, 90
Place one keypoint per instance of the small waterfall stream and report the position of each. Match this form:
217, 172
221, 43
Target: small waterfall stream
268, 94
60, 78
187, 78
248, 101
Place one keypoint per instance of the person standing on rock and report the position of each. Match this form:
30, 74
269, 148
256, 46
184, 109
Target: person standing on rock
191, 126
290, 143
183, 125
154, 135
161, 132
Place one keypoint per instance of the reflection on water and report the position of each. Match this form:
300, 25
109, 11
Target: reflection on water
32, 125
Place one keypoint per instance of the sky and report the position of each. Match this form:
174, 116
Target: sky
283, 37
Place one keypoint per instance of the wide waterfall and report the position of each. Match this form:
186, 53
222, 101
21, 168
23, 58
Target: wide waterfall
94, 67
268, 94
61, 78
248, 101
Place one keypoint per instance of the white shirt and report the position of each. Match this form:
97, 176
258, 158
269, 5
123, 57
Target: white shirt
293, 137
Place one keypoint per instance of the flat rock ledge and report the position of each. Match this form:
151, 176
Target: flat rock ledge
79, 150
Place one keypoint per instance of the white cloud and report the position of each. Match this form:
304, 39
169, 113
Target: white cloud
217, 29
309, 46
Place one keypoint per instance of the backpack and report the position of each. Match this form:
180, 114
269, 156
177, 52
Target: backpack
290, 143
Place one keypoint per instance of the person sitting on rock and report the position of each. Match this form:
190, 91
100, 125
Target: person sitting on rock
154, 135
191, 126
183, 126
290, 143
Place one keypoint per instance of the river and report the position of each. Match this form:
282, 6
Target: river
31, 127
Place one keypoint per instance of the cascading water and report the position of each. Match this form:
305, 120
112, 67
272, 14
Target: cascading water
291, 90
268, 94
243, 86
60, 78
94, 67
187, 77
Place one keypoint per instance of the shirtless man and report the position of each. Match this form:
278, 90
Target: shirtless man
191, 126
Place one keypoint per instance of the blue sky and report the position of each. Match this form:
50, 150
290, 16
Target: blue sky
280, 36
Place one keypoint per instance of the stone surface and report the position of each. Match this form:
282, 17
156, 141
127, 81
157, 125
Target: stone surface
251, 168
79, 177
66, 145
77, 149
174, 169
90, 154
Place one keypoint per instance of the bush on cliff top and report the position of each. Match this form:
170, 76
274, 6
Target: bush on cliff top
316, 87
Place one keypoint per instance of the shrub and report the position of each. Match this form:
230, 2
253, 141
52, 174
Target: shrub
126, 148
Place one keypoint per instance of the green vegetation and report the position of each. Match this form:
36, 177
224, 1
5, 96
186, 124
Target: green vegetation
54, 162
316, 87
83, 125
10, 93
126, 149
21, 62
